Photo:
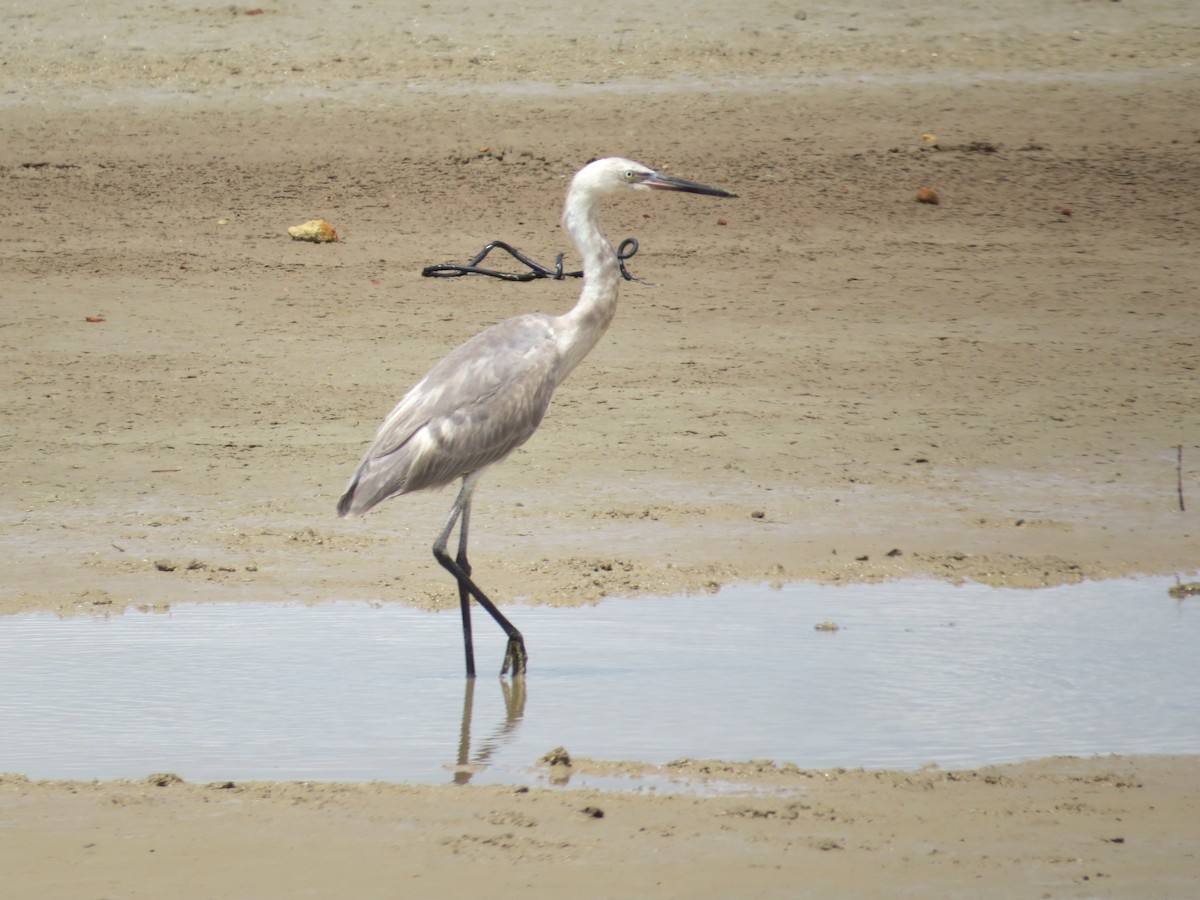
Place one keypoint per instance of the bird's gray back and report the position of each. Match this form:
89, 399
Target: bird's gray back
473, 408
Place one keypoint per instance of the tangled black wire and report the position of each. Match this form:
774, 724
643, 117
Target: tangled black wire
625, 250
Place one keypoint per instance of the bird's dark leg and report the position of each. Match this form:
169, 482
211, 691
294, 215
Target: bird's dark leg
464, 596
515, 657
462, 574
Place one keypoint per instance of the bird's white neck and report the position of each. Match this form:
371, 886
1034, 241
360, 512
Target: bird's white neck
584, 325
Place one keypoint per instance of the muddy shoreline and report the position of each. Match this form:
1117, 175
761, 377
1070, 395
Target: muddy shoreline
823, 380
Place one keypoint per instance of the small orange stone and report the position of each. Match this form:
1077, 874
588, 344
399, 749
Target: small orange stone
316, 230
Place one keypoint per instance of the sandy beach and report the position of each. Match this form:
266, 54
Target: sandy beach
823, 379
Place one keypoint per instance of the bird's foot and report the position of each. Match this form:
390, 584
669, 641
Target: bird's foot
515, 658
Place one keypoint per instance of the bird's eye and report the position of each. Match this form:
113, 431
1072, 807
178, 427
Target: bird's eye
630, 175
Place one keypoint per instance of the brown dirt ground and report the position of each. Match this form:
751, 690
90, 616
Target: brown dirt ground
1002, 387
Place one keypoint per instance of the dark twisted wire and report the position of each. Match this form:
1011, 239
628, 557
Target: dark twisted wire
625, 250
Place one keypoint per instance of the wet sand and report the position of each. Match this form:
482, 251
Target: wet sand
823, 379
1058, 828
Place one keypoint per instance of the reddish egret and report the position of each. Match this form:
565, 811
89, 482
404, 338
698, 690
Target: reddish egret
486, 399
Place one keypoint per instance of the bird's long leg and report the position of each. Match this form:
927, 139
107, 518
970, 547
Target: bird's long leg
464, 595
462, 573
464, 604
515, 657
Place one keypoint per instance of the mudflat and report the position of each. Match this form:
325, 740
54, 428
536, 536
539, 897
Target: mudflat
822, 379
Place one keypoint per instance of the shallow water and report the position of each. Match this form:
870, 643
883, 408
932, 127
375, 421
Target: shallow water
917, 672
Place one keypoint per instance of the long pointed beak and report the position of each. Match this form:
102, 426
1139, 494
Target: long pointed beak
662, 182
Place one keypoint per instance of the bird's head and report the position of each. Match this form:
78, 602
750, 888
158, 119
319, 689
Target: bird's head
606, 176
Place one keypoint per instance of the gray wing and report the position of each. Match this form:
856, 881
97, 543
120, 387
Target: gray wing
473, 408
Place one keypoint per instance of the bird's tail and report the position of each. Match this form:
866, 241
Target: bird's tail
347, 500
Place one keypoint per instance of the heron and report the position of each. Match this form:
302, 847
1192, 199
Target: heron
487, 397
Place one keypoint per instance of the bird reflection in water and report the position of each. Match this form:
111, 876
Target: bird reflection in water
514, 709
